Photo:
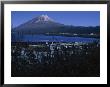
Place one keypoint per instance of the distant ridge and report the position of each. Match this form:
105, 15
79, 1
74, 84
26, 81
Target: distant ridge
43, 24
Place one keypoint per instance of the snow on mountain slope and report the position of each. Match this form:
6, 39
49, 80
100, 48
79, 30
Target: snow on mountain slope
38, 24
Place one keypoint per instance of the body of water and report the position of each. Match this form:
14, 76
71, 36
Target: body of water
44, 38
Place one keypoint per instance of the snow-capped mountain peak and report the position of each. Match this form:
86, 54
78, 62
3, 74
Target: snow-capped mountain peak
43, 18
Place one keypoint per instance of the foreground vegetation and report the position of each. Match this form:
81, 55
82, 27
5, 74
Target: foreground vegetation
55, 60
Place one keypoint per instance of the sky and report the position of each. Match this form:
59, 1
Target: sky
75, 18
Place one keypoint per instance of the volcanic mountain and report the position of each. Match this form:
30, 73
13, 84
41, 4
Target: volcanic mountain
40, 24
44, 24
